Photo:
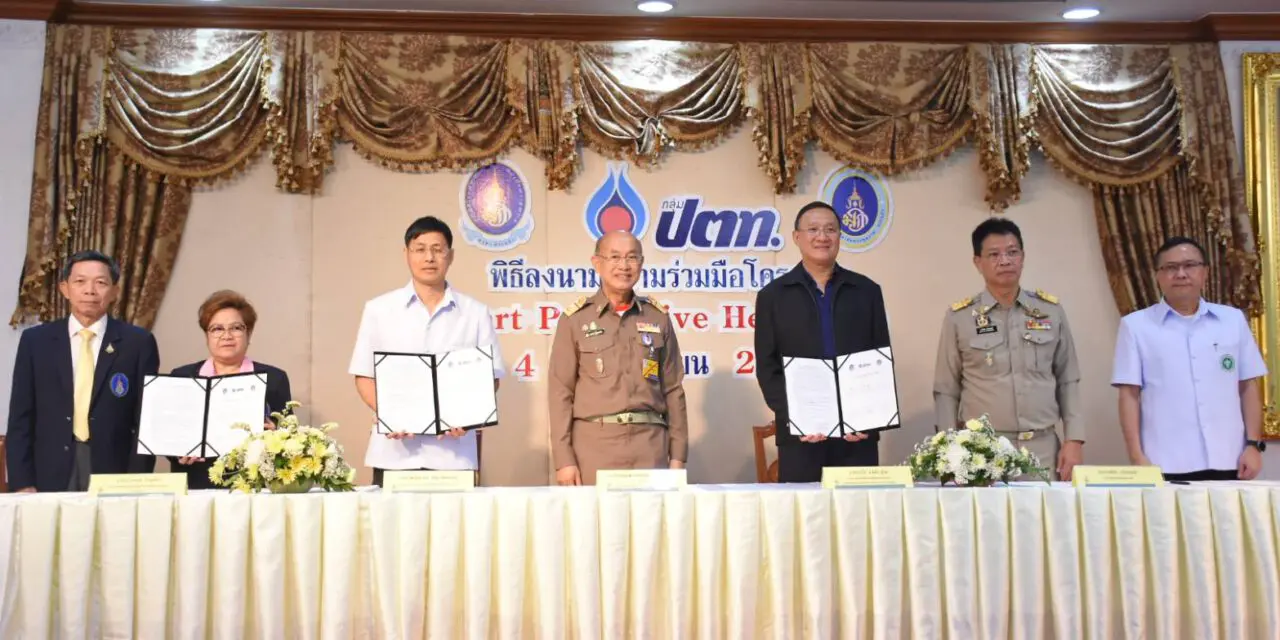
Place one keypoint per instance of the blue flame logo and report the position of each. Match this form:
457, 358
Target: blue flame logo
616, 206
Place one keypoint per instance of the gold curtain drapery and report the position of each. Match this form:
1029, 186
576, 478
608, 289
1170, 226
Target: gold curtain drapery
146, 113
1148, 130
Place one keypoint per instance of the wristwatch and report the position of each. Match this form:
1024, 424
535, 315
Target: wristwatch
1260, 445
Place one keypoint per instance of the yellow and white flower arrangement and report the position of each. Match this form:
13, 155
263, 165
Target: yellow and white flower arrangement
973, 456
291, 458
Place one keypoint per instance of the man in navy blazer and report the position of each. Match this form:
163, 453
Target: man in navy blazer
66, 422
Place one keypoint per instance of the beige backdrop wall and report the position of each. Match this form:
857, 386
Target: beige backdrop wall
309, 264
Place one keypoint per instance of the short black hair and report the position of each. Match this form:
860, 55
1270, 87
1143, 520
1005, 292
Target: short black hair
428, 224
816, 204
994, 226
91, 256
1177, 241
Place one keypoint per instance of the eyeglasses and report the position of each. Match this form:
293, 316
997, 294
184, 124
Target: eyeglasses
434, 252
1174, 267
630, 259
814, 232
217, 331
1012, 255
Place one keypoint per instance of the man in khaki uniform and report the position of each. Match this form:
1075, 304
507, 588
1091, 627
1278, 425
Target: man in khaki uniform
615, 389
1008, 353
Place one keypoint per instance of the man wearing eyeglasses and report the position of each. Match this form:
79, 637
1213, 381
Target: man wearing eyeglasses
818, 309
1188, 372
427, 315
615, 388
1007, 353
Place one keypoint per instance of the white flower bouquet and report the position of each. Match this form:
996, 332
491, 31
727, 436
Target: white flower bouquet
291, 458
973, 456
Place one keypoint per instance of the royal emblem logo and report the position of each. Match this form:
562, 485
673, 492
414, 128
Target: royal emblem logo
616, 206
864, 205
496, 212
684, 223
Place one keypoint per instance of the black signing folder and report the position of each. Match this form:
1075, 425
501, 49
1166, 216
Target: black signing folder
835, 397
431, 394
194, 416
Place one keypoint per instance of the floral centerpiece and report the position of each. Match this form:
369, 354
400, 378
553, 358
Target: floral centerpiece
973, 456
292, 458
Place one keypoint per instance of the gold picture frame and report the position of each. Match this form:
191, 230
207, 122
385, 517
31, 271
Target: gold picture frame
1261, 72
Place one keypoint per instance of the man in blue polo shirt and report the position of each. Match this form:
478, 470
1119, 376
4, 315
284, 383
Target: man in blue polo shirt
817, 310
1187, 371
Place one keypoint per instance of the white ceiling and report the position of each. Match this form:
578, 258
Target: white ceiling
999, 10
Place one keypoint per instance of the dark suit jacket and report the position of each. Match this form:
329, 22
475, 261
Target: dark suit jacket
277, 395
787, 325
40, 441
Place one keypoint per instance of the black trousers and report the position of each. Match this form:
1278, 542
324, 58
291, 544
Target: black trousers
803, 461
1201, 476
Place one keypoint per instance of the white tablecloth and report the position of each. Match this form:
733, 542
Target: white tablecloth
710, 562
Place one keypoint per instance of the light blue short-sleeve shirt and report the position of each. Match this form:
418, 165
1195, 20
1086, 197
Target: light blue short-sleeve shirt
398, 321
1189, 369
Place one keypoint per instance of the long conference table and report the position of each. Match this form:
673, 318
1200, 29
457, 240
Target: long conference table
728, 561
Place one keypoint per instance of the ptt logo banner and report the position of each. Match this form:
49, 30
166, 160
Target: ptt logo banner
684, 222
688, 222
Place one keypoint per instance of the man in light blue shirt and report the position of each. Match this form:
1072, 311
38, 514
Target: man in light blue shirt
1187, 371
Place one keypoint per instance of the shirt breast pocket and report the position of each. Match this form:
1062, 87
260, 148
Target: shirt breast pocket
1040, 347
985, 353
1226, 357
597, 356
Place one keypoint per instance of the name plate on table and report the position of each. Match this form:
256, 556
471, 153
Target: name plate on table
867, 478
1093, 476
428, 481
641, 479
137, 484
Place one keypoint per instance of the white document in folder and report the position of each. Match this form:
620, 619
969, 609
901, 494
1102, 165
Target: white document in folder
868, 392
185, 416
234, 400
404, 383
465, 379
854, 392
172, 421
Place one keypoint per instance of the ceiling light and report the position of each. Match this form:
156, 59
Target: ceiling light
655, 6
1080, 13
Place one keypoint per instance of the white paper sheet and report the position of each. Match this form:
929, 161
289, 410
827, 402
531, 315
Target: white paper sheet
232, 400
857, 388
868, 395
172, 422
404, 393
811, 397
465, 387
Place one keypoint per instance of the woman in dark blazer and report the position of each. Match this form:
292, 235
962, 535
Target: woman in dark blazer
227, 320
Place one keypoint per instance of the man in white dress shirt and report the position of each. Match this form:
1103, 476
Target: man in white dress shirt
1188, 371
425, 316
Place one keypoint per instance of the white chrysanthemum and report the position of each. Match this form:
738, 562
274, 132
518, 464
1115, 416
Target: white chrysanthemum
973, 425
294, 447
939, 437
254, 454
964, 437
978, 461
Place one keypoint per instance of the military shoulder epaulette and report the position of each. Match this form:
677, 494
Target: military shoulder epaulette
1047, 297
961, 304
576, 306
656, 304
